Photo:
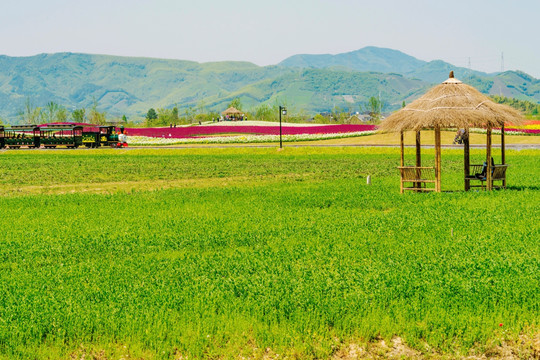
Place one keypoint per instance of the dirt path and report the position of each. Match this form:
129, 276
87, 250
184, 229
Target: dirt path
148, 185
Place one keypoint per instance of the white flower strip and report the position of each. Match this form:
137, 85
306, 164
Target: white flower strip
241, 139
261, 123
498, 132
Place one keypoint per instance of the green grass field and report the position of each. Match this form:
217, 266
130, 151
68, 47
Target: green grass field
229, 253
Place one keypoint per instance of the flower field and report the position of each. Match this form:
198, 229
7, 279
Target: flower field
531, 127
255, 253
241, 139
266, 134
191, 131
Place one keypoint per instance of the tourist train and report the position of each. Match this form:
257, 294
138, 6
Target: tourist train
53, 136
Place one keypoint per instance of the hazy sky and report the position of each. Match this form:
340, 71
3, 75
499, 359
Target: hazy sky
266, 32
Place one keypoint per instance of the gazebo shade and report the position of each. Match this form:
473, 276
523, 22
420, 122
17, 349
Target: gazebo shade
232, 111
451, 104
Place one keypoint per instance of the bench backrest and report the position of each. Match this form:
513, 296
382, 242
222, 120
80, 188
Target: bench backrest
499, 172
414, 173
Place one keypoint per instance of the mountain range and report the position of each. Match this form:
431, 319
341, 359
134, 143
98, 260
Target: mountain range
312, 83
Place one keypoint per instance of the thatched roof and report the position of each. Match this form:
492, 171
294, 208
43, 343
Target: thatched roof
451, 104
232, 111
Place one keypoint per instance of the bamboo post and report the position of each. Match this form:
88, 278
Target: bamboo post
489, 185
402, 147
503, 154
418, 159
437, 158
467, 159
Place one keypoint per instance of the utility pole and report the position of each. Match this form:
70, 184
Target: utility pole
502, 61
282, 110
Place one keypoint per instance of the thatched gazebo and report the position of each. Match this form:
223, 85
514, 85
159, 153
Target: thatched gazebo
451, 104
232, 112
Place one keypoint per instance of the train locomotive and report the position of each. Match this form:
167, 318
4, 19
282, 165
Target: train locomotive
103, 136
69, 136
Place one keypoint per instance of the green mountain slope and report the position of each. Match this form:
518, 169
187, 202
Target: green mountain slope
516, 84
121, 85
131, 86
437, 71
319, 90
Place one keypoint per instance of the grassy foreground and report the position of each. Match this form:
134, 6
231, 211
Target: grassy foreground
256, 252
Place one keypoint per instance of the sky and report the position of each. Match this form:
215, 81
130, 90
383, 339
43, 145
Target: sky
481, 32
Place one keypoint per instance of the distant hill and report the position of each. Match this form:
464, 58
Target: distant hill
381, 60
313, 83
515, 84
366, 59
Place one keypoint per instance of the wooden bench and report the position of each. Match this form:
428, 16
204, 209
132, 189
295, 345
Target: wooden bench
419, 176
498, 174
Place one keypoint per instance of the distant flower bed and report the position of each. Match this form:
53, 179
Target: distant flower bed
510, 131
188, 132
529, 126
240, 139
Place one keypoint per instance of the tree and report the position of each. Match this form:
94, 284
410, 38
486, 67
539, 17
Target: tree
201, 107
49, 113
300, 116
62, 115
339, 115
374, 108
151, 114
190, 113
164, 118
265, 112
527, 107
79, 115
174, 115
124, 118
54, 113
30, 114
236, 103
320, 119
95, 116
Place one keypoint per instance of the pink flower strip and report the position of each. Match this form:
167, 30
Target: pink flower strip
186, 132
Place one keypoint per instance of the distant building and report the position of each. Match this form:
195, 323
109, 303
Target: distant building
115, 122
358, 119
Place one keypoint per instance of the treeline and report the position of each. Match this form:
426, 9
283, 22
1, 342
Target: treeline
357, 113
525, 106
166, 117
198, 114
372, 111
53, 112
